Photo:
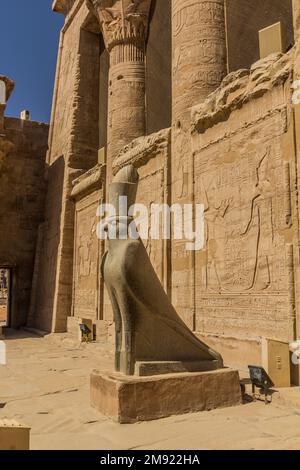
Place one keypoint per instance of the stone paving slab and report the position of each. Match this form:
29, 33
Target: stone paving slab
45, 384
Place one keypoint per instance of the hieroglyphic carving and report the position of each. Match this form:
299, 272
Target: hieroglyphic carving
87, 296
198, 67
199, 51
87, 259
126, 108
244, 276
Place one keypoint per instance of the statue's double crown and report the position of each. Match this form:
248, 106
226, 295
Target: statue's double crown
124, 184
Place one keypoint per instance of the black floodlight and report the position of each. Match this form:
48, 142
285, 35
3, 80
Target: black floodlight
85, 331
260, 379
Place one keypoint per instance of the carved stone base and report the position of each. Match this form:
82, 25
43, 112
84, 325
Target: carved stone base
129, 399
146, 369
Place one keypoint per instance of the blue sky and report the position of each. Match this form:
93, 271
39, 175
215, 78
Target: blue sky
29, 36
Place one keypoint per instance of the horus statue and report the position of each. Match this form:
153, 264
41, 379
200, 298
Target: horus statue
148, 329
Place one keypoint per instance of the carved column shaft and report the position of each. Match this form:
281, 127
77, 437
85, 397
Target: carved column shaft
198, 67
124, 24
199, 51
126, 104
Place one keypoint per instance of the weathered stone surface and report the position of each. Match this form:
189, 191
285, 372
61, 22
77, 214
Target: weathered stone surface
22, 189
296, 10
239, 88
87, 285
129, 400
296, 16
149, 368
198, 67
242, 144
236, 152
73, 149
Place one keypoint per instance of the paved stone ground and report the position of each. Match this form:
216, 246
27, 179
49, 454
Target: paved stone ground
45, 385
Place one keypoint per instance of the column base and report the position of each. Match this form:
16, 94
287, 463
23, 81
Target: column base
130, 399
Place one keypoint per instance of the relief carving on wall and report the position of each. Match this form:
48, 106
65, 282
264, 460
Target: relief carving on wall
247, 206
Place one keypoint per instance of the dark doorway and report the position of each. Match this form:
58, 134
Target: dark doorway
5, 279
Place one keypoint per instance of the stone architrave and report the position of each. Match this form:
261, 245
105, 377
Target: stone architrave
124, 24
148, 329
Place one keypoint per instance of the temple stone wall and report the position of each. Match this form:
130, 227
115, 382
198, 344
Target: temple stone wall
232, 145
244, 157
73, 148
22, 189
151, 156
87, 284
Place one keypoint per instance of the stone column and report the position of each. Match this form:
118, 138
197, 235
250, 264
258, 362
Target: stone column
124, 24
198, 67
199, 52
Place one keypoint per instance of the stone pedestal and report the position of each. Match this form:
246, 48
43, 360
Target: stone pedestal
13, 436
130, 399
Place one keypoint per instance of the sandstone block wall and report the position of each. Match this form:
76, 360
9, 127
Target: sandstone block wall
78, 129
73, 148
22, 190
244, 156
236, 155
87, 295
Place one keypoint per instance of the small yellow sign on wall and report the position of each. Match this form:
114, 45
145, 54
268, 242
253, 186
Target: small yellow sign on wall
271, 40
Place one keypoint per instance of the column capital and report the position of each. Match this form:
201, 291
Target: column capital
122, 21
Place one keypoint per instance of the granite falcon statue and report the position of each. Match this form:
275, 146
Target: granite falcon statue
147, 326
